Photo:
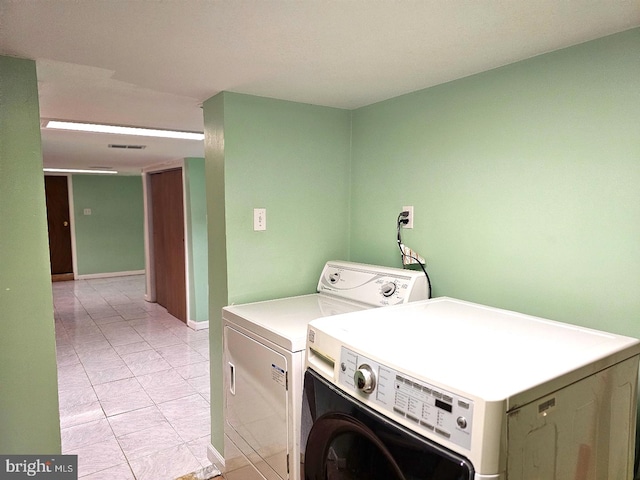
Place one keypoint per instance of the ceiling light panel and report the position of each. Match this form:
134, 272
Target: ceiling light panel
118, 130
77, 170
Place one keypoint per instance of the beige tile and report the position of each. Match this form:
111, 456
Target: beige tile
152, 366
136, 420
85, 434
163, 340
141, 356
125, 403
117, 388
106, 375
119, 472
100, 457
73, 396
199, 448
148, 441
193, 370
165, 465
72, 376
184, 407
79, 414
71, 359
132, 348
192, 427
108, 320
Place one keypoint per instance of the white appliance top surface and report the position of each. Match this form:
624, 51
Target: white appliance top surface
284, 321
343, 286
483, 351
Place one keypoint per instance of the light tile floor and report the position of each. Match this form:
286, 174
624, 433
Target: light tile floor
133, 383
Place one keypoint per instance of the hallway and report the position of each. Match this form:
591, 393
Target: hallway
133, 383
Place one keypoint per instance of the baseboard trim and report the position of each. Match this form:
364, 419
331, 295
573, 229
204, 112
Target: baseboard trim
109, 274
215, 458
198, 325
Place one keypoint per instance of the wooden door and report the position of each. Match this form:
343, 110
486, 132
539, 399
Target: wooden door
58, 219
168, 242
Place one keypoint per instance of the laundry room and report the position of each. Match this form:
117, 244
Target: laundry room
523, 181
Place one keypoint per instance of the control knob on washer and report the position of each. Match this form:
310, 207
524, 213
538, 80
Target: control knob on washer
365, 379
462, 422
388, 289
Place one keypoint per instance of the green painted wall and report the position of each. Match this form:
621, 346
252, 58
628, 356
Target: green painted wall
198, 271
111, 239
293, 160
525, 182
29, 419
217, 255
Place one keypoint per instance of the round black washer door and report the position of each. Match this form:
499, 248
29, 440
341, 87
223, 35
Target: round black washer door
341, 447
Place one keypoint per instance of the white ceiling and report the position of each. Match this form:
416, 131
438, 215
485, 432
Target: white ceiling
152, 63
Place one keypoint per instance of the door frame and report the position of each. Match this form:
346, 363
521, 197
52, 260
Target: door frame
150, 290
72, 218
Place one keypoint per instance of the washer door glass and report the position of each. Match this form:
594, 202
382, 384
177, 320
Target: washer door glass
349, 441
341, 447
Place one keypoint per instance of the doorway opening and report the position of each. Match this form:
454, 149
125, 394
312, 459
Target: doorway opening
59, 226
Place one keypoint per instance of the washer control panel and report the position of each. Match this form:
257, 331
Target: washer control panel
428, 409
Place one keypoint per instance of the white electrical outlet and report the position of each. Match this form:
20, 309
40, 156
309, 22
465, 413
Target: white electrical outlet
410, 210
259, 219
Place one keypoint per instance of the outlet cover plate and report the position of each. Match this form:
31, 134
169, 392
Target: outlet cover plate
410, 210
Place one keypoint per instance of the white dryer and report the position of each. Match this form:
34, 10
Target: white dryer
264, 344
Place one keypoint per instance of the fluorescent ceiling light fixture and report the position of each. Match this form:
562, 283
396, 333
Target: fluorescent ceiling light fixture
76, 170
145, 132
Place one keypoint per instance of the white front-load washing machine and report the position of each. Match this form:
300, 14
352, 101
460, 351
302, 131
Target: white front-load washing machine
449, 390
263, 362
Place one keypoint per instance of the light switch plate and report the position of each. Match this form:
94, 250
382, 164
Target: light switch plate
259, 219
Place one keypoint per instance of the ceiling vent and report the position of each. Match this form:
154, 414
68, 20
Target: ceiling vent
127, 147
